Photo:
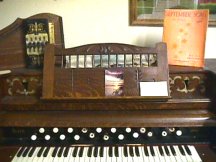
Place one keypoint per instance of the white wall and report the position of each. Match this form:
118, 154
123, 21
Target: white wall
92, 21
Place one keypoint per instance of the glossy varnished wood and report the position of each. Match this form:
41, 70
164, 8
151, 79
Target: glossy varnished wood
148, 118
12, 43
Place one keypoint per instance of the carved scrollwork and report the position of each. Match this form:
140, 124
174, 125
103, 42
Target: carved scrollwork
187, 84
21, 85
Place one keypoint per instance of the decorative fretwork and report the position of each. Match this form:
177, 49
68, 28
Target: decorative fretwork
187, 84
23, 85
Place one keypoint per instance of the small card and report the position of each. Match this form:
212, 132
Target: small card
2, 72
154, 88
114, 83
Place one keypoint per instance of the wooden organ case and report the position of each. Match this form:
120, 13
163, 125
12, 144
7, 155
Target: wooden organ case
89, 103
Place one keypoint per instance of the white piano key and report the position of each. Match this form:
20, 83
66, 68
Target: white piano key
166, 157
108, 158
121, 154
26, 158
172, 157
137, 158
71, 154
76, 159
16, 159
92, 159
151, 158
85, 157
183, 159
143, 155
31, 159
103, 158
157, 156
98, 155
130, 159
157, 153
36, 158
188, 157
114, 159
119, 158
194, 153
56, 158
49, 155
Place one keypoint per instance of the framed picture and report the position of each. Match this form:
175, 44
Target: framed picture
151, 12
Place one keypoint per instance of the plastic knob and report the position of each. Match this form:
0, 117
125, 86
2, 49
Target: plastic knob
128, 130
76, 137
113, 130
120, 136
47, 137
41, 130
33, 137
62, 137
55, 130
70, 130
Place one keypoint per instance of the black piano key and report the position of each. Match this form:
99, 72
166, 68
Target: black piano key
26, 152
60, 152
89, 153
110, 151
145, 151
39, 154
131, 151
46, 152
188, 150
66, 151
55, 152
20, 152
173, 150
137, 151
125, 151
152, 151
161, 150
95, 153
31, 152
81, 151
101, 152
167, 150
74, 154
181, 150
116, 151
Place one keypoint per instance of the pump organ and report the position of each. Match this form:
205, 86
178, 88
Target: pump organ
62, 112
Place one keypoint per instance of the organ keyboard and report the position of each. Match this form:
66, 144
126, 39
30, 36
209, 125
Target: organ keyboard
65, 111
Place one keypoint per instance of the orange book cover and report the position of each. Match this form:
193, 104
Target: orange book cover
185, 34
